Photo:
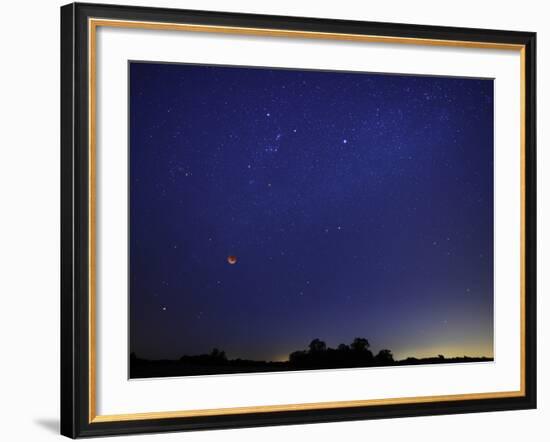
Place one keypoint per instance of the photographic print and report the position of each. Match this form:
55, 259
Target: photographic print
271, 220
287, 219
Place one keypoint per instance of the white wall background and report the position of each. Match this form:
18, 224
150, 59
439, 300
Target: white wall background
29, 221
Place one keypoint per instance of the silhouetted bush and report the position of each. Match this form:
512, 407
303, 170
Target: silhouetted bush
317, 346
360, 345
384, 357
343, 348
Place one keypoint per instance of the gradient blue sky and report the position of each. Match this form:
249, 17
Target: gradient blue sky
357, 205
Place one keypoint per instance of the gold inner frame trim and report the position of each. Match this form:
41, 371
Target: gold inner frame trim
93, 24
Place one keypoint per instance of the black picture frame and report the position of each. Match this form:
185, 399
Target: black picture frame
76, 403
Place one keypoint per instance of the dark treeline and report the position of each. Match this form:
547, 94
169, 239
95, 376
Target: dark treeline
317, 356
357, 354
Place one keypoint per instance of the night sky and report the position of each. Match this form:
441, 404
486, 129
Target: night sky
356, 204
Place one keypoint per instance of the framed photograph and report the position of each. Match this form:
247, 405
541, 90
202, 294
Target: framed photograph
278, 220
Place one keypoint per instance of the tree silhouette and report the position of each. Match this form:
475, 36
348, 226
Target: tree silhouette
297, 357
360, 344
317, 346
317, 356
343, 348
218, 354
384, 356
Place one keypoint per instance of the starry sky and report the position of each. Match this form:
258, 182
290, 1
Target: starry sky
355, 204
